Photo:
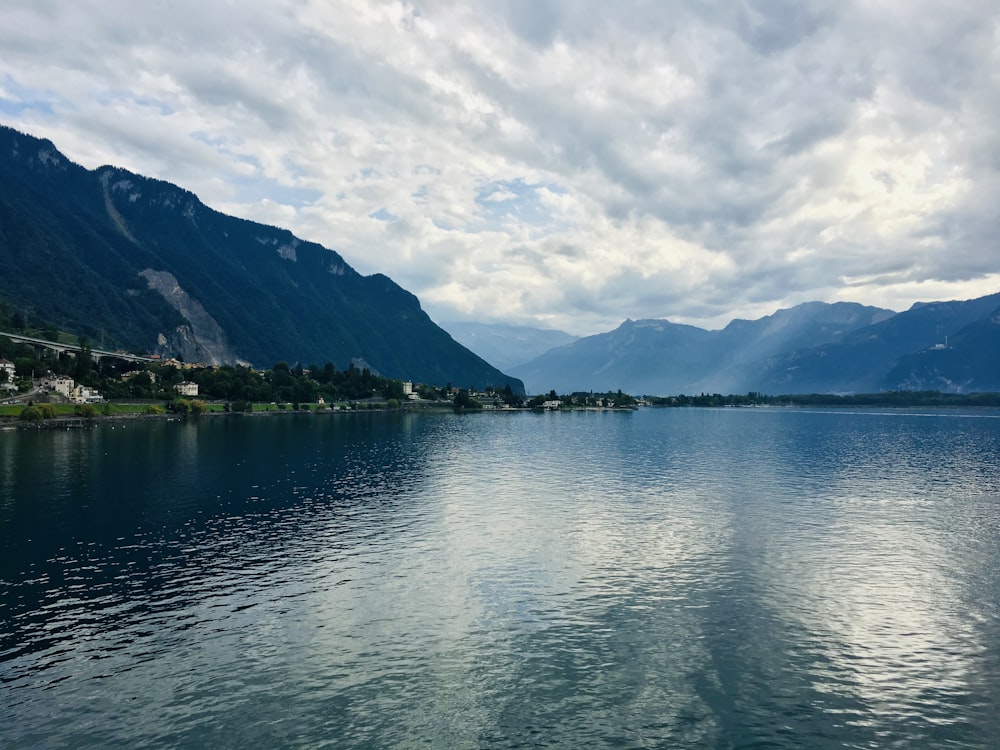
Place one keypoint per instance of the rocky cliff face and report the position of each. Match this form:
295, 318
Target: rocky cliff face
202, 339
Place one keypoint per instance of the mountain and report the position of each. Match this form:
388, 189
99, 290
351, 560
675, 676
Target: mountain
144, 265
814, 347
745, 342
966, 362
639, 357
506, 346
873, 358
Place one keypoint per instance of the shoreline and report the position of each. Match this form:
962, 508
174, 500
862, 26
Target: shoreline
73, 421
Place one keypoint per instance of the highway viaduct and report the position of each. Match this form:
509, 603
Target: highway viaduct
56, 346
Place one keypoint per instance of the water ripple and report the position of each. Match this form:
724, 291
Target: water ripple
683, 578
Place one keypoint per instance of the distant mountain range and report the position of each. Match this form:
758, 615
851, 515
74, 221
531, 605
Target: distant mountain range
506, 346
143, 265
812, 348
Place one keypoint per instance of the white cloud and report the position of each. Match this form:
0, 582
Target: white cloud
570, 164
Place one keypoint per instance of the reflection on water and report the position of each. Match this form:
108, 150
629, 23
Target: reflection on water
688, 578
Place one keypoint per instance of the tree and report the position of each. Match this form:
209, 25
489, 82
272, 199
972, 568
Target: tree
465, 402
141, 385
393, 389
84, 362
87, 411
31, 414
25, 366
171, 375
50, 332
36, 412
428, 393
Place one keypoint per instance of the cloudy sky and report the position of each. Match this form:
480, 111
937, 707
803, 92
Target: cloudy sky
562, 164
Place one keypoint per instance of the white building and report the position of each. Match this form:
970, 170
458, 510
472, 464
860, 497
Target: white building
60, 384
187, 388
6, 366
82, 394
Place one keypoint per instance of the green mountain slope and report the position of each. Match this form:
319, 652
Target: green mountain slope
145, 265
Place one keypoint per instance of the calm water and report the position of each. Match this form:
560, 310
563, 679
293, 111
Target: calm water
663, 578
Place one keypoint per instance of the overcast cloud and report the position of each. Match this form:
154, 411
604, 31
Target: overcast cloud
563, 164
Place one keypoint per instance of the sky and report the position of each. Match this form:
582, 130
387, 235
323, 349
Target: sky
557, 164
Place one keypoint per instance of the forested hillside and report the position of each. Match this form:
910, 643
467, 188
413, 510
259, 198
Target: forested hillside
143, 265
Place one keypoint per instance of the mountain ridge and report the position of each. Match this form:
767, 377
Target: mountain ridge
153, 268
840, 347
506, 345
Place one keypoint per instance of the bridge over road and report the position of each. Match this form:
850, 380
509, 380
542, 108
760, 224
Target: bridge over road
56, 346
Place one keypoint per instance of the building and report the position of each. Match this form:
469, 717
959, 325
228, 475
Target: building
60, 384
133, 373
7, 384
82, 394
187, 388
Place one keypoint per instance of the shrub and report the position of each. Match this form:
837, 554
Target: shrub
154, 409
31, 414
87, 411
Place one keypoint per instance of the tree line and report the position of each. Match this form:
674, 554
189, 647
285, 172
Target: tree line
883, 399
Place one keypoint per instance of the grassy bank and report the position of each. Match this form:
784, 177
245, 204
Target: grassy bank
12, 412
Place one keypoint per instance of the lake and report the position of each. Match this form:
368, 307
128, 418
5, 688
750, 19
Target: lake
689, 578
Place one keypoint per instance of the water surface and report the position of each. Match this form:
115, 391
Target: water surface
660, 578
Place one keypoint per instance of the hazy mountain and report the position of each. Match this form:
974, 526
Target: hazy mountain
144, 265
966, 362
745, 342
506, 346
639, 356
873, 357
815, 347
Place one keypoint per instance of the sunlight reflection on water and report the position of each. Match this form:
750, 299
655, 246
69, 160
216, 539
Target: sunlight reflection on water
681, 578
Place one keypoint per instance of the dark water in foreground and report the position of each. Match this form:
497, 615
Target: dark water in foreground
663, 578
